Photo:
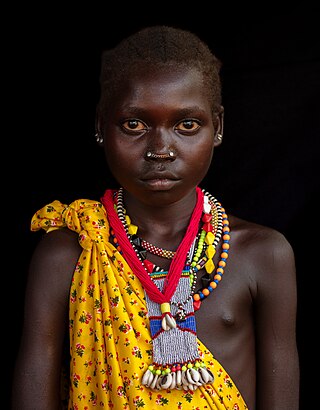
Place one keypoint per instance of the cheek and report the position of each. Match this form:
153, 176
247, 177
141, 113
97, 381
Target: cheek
201, 167
201, 155
123, 159
119, 150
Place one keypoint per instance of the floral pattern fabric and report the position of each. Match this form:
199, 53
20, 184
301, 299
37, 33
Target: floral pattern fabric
110, 340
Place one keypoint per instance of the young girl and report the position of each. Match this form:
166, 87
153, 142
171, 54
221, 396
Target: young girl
160, 297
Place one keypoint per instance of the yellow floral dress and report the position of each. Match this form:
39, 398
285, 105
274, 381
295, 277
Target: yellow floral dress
110, 340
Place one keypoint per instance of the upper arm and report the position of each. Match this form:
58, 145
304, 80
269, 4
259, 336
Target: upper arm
45, 318
275, 308
49, 279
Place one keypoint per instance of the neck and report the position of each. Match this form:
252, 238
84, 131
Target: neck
166, 220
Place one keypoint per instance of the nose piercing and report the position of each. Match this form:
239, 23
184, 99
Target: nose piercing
152, 155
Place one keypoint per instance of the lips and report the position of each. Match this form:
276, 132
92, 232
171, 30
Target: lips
160, 181
160, 175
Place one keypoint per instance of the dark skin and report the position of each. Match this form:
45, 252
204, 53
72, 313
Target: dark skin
248, 322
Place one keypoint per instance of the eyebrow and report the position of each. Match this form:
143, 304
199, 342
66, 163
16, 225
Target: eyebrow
184, 112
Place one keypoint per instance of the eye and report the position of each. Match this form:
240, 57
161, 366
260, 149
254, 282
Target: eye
188, 126
134, 126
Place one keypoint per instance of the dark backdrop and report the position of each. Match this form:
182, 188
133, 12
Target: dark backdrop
265, 170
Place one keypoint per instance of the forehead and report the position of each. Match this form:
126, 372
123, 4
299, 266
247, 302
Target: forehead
163, 85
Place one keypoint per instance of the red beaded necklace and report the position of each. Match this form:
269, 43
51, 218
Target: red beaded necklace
178, 261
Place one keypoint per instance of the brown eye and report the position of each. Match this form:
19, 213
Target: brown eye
188, 126
134, 125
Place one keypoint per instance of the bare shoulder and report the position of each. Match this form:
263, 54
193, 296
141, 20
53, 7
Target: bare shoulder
264, 251
53, 262
58, 243
253, 237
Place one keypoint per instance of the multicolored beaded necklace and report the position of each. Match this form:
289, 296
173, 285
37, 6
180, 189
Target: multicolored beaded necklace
215, 224
171, 297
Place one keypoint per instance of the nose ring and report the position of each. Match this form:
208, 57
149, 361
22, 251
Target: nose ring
152, 155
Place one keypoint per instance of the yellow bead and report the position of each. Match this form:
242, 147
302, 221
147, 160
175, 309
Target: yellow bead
210, 252
209, 238
128, 220
209, 265
165, 307
132, 229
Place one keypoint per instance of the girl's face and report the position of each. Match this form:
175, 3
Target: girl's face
159, 111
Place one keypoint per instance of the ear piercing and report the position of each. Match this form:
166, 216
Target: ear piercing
98, 137
219, 137
152, 155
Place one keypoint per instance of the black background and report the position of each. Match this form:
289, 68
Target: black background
264, 171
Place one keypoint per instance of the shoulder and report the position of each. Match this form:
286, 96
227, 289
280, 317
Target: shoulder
58, 243
56, 254
51, 267
263, 251
254, 237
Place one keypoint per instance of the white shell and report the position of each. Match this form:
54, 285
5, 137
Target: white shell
164, 324
154, 381
145, 377
189, 377
178, 378
195, 375
174, 381
166, 381
192, 386
204, 374
158, 384
211, 376
184, 378
170, 321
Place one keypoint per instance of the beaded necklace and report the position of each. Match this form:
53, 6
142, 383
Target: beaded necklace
215, 222
176, 359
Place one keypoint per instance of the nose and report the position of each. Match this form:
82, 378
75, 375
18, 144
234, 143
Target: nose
160, 146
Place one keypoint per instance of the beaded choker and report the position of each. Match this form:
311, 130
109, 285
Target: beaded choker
171, 297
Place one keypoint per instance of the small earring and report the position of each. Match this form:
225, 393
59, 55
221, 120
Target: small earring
219, 137
99, 139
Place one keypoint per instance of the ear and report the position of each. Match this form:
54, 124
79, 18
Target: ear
218, 129
98, 134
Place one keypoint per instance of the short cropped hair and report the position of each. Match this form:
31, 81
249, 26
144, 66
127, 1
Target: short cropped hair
159, 46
